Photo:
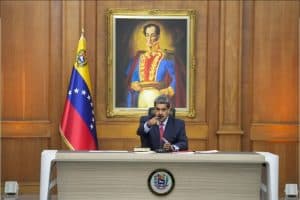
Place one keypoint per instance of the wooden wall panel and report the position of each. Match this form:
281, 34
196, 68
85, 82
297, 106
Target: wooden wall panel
246, 79
26, 168
273, 117
30, 78
1, 95
25, 59
274, 61
298, 130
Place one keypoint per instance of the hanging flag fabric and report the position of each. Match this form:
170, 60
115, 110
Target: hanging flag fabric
77, 126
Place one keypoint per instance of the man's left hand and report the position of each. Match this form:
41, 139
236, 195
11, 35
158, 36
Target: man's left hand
168, 147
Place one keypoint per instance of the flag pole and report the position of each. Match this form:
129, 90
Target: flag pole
82, 17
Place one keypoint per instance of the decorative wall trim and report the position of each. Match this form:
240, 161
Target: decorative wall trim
274, 132
26, 129
114, 131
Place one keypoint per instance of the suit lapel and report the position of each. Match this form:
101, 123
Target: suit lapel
157, 135
169, 127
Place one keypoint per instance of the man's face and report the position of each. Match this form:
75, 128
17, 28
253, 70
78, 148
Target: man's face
161, 111
151, 36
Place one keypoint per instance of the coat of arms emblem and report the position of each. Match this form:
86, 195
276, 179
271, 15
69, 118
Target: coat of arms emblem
161, 182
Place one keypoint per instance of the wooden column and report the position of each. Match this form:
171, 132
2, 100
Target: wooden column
0, 92
230, 132
298, 100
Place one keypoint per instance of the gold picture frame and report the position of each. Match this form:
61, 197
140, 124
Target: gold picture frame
128, 56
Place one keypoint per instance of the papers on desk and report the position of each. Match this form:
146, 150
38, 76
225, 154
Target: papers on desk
144, 152
183, 152
141, 150
108, 151
209, 151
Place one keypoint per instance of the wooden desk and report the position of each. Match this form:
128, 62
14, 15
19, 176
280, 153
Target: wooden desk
104, 175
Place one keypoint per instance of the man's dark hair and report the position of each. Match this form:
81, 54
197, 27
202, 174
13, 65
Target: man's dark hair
162, 99
157, 29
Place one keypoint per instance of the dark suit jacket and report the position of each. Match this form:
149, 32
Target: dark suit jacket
174, 133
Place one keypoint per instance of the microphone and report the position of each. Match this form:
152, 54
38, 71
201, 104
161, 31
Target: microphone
165, 140
161, 149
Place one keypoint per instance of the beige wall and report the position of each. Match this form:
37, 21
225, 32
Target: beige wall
246, 79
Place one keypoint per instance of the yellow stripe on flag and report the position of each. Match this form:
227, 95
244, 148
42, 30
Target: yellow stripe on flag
83, 68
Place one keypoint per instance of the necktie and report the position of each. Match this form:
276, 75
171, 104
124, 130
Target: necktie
161, 130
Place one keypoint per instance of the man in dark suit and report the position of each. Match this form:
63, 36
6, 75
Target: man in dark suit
161, 130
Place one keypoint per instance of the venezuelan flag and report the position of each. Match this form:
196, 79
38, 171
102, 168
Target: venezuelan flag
77, 127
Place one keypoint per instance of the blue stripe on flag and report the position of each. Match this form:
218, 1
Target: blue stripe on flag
79, 99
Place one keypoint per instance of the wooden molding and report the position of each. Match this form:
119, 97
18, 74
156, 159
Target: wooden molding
126, 130
274, 132
26, 129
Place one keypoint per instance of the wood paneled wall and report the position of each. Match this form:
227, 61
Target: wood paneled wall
246, 79
270, 83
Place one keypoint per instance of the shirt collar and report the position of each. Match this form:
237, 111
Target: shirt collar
165, 121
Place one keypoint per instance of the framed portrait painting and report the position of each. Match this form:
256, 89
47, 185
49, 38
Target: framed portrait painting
150, 53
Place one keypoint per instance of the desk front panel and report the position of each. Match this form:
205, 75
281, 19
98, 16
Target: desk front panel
129, 180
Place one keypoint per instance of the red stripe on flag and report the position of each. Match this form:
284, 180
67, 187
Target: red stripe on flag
76, 130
